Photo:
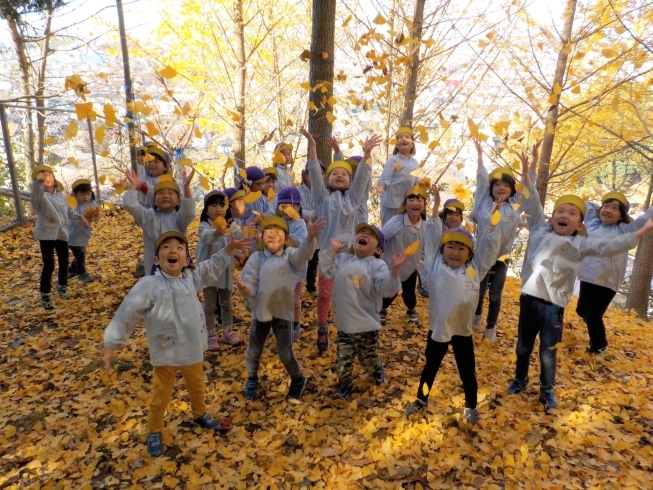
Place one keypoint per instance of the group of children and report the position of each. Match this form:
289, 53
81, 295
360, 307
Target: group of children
282, 239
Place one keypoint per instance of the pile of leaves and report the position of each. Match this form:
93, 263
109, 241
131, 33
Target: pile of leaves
66, 422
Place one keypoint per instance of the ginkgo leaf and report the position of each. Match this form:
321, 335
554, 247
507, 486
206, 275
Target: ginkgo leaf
553, 99
197, 133
330, 117
557, 88
243, 173
433, 144
271, 194
312, 106
168, 72
417, 172
503, 258
305, 55
574, 179
356, 280
396, 166
99, 134
109, 115
48, 140
278, 158
84, 110
496, 217
347, 21
305, 85
519, 186
428, 42
460, 166
102, 179
219, 222
185, 162
185, 109
501, 127
166, 178
471, 272
104, 153
608, 52
412, 248
229, 163
325, 54
204, 183
292, 213
575, 89
461, 192
152, 130
71, 129
332, 101
379, 20
252, 196
526, 192
473, 128
71, 200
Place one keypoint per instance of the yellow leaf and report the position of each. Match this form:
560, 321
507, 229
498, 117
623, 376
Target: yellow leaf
412, 248
10, 430
482, 43
460, 191
460, 166
99, 134
185, 162
471, 272
289, 122
229, 163
428, 42
219, 223
72, 201
168, 72
73, 161
104, 153
198, 133
330, 117
553, 99
574, 179
325, 55
185, 109
271, 194
607, 52
204, 183
417, 172
549, 128
526, 192
433, 144
311, 105
152, 130
473, 129
516, 135
620, 29
519, 187
347, 21
292, 213
109, 115
575, 89
48, 140
252, 196
84, 110
557, 88
496, 217
379, 20
357, 281
425, 389
278, 158
102, 179
305, 85
331, 101
243, 173
501, 127
71, 129
305, 55
396, 166
567, 49
503, 258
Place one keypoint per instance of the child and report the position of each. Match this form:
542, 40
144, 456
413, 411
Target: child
454, 271
167, 213
79, 234
308, 211
174, 326
363, 212
360, 279
254, 182
285, 176
289, 208
500, 182
211, 240
267, 282
400, 232
155, 163
600, 277
337, 203
396, 177
552, 265
51, 230
270, 184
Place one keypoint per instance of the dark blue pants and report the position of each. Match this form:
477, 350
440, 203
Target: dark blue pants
593, 302
537, 316
494, 280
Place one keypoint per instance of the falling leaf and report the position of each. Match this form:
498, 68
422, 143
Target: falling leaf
72, 201
330, 117
608, 52
185, 162
252, 196
473, 129
425, 389
501, 127
71, 129
243, 173
271, 194
104, 153
109, 115
197, 133
461, 192
102, 179
168, 72
99, 134
305, 55
312, 106
325, 55
433, 144
417, 172
305, 85
526, 192
557, 88
496, 217
292, 213
204, 183
185, 109
229, 163
574, 179
278, 158
84, 110
471, 272
152, 130
412, 248
379, 20
48, 140
347, 21
575, 89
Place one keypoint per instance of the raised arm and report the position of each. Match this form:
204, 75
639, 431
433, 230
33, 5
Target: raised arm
364, 171
605, 247
318, 189
329, 260
306, 250
489, 243
38, 191
639, 222
386, 281
432, 237
386, 176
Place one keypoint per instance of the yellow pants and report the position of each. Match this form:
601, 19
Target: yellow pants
163, 380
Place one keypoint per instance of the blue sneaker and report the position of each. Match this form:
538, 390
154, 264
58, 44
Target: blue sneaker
297, 387
251, 388
155, 444
548, 398
517, 386
207, 422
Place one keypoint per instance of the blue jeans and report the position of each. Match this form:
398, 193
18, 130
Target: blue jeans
538, 316
496, 277
258, 334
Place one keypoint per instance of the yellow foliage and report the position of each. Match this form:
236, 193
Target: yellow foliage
412, 248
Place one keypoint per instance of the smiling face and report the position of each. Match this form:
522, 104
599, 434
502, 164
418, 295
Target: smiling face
215, 209
83, 197
610, 212
172, 257
155, 167
287, 154
366, 243
501, 188
405, 143
415, 206
237, 207
566, 220
274, 238
453, 219
166, 200
455, 254
339, 180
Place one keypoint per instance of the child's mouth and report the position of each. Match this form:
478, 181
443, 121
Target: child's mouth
172, 260
362, 241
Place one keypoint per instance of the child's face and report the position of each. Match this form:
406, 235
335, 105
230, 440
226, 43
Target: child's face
155, 167
339, 180
287, 154
306, 178
404, 143
166, 200
139, 158
257, 186
271, 183
455, 254
172, 257
237, 207
566, 220
610, 213
453, 219
274, 238
83, 197
415, 206
366, 243
48, 179
218, 208
499, 189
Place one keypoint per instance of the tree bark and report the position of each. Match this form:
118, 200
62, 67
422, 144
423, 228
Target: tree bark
321, 70
40, 101
552, 115
410, 93
281, 123
240, 81
640, 278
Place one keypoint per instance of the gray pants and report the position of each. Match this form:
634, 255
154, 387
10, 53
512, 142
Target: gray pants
283, 332
210, 298
387, 213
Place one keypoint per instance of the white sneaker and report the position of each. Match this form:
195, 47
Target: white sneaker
491, 334
476, 324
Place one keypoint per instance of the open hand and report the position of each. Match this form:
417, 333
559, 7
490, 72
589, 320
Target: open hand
244, 244
333, 143
133, 179
646, 229
399, 259
308, 136
371, 142
187, 178
314, 228
496, 204
240, 284
337, 246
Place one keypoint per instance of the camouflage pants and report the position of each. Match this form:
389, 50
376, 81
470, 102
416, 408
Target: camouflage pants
350, 345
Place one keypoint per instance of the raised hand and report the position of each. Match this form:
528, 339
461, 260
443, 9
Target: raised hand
371, 142
187, 178
244, 244
398, 260
337, 245
333, 143
536, 155
314, 228
646, 229
308, 136
496, 204
133, 179
479, 151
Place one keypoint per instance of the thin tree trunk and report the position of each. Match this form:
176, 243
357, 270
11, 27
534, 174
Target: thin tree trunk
40, 101
240, 81
410, 93
389, 119
640, 278
552, 115
321, 70
281, 124
23, 64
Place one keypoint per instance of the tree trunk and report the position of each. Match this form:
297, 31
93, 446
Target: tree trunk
281, 123
640, 278
410, 93
552, 115
40, 101
321, 70
23, 64
240, 80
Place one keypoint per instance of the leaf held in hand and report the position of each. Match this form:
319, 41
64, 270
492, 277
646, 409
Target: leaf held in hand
219, 223
496, 217
412, 248
471, 272
292, 213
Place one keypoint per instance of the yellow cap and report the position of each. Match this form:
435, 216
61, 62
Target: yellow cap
454, 203
80, 182
238, 195
339, 164
280, 148
618, 196
168, 184
416, 190
404, 129
498, 172
273, 221
570, 199
170, 234
155, 150
271, 171
41, 168
458, 235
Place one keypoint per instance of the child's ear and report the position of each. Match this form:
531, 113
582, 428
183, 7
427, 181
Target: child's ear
580, 226
156, 260
187, 262
378, 252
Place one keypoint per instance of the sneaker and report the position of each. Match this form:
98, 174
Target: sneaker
379, 377
296, 330
46, 301
476, 324
323, 337
214, 345
548, 398
412, 316
297, 387
422, 289
344, 392
86, 277
595, 351
155, 444
413, 408
72, 271
517, 386
471, 415
207, 422
383, 316
312, 292
231, 338
490, 334
62, 291
251, 388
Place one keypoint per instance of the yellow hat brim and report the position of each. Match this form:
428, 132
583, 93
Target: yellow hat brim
167, 235
572, 199
238, 195
154, 150
41, 168
456, 236
498, 172
271, 171
404, 130
273, 221
339, 164
168, 184
618, 196
80, 182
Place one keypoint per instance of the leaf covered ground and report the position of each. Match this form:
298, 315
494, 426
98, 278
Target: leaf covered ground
64, 422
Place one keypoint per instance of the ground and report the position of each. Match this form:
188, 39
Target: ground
65, 422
